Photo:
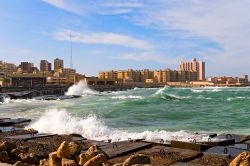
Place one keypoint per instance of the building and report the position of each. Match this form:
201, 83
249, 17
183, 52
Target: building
194, 66
27, 80
7, 68
45, 66
58, 64
26, 67
69, 74
229, 81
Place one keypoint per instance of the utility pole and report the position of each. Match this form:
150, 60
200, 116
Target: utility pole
71, 58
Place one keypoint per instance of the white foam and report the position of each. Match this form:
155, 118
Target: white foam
81, 88
207, 89
61, 122
124, 97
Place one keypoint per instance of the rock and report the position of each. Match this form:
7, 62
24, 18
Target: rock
68, 162
17, 151
29, 158
7, 146
142, 165
243, 159
119, 164
44, 162
19, 163
63, 151
4, 157
137, 159
5, 164
96, 161
54, 160
74, 148
90, 153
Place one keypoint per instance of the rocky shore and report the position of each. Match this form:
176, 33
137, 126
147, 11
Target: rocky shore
20, 147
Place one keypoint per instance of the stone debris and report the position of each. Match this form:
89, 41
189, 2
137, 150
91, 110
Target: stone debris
63, 151
137, 159
96, 161
242, 159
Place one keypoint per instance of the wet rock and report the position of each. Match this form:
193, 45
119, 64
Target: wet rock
90, 153
29, 158
137, 159
44, 162
4, 157
54, 160
17, 151
63, 151
243, 159
68, 162
96, 161
74, 148
119, 164
19, 163
7, 146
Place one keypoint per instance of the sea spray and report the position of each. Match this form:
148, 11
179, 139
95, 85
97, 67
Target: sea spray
80, 89
91, 127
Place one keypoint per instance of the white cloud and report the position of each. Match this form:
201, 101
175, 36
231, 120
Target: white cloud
103, 38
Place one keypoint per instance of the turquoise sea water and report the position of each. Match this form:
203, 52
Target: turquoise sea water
157, 113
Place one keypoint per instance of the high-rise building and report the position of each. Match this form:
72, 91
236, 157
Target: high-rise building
58, 64
45, 65
194, 66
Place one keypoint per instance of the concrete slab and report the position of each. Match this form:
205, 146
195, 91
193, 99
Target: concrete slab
240, 146
236, 137
227, 151
10, 122
30, 136
186, 164
117, 149
225, 142
162, 155
189, 145
213, 160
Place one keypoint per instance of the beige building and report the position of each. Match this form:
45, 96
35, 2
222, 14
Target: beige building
7, 68
58, 64
194, 66
45, 66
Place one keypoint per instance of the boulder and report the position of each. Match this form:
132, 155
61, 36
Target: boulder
4, 157
118, 164
44, 162
19, 163
243, 159
17, 151
137, 159
90, 153
74, 148
29, 158
63, 151
68, 162
54, 160
96, 161
7, 146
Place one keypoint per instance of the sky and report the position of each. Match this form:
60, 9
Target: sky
122, 34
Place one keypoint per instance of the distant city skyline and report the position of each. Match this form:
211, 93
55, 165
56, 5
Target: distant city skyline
136, 34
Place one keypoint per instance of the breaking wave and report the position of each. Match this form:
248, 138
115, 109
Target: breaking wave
124, 97
80, 89
91, 127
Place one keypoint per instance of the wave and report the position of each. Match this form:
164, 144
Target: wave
238, 98
123, 97
91, 127
211, 89
80, 89
164, 93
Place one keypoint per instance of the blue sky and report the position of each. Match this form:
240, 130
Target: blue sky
122, 34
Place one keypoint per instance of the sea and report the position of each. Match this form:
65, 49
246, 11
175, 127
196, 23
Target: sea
153, 114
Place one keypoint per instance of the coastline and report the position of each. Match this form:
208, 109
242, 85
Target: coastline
35, 148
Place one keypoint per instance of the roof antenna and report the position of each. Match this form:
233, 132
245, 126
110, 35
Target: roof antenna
71, 61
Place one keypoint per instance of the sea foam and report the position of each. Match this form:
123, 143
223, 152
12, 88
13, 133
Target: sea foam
81, 89
91, 127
